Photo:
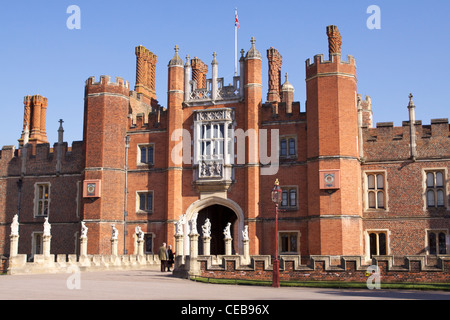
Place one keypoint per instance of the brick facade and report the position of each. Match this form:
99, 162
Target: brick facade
132, 145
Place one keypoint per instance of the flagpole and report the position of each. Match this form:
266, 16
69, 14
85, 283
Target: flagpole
235, 45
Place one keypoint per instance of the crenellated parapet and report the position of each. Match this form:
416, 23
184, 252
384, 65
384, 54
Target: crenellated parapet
144, 115
105, 85
41, 159
388, 142
335, 66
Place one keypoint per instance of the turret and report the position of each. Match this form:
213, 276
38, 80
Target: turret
105, 125
176, 84
334, 171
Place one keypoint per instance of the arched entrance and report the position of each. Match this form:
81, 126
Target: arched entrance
220, 211
219, 216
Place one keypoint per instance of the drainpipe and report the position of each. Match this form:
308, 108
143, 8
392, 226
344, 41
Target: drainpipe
125, 193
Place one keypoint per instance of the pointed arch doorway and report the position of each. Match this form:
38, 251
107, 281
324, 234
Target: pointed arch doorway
219, 211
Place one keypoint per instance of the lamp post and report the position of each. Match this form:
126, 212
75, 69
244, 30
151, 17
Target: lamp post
276, 198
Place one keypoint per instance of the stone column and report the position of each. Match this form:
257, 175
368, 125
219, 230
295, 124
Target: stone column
228, 250
179, 244
193, 254
140, 247
114, 247
83, 246
193, 245
14, 245
246, 251
207, 246
46, 245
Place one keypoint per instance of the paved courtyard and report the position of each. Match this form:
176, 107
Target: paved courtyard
154, 285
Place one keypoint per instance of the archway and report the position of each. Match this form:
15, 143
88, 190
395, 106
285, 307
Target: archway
231, 210
219, 216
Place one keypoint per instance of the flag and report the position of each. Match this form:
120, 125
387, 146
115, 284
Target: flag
236, 19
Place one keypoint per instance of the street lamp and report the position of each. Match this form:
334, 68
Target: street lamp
277, 195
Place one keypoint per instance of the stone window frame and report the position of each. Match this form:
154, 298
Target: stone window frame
385, 190
288, 138
367, 233
138, 159
290, 207
425, 189
290, 232
437, 232
138, 207
37, 200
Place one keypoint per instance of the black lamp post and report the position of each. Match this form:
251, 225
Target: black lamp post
277, 195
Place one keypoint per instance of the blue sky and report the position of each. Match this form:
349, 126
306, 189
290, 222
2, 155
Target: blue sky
40, 55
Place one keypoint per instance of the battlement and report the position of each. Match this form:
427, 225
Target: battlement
106, 80
389, 142
41, 159
335, 58
144, 114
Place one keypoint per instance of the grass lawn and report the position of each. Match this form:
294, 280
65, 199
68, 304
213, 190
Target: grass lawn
327, 284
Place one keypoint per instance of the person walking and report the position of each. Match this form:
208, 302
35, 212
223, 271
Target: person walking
170, 258
163, 257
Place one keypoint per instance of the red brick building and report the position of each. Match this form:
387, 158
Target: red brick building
214, 152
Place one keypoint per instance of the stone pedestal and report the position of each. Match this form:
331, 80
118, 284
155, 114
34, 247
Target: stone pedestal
246, 252
114, 247
228, 250
14, 245
46, 245
194, 267
83, 246
140, 248
207, 246
179, 244
193, 245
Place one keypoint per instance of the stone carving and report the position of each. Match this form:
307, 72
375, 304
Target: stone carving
84, 230
206, 229
334, 40
245, 234
216, 115
15, 226
179, 225
193, 224
227, 231
139, 233
47, 227
210, 170
115, 232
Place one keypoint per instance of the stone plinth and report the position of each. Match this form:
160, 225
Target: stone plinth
228, 248
206, 246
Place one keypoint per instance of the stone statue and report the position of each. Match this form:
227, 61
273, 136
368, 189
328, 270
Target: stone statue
206, 229
193, 225
15, 226
245, 234
84, 230
179, 225
139, 233
227, 231
47, 227
115, 232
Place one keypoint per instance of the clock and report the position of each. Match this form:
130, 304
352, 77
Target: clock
91, 188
